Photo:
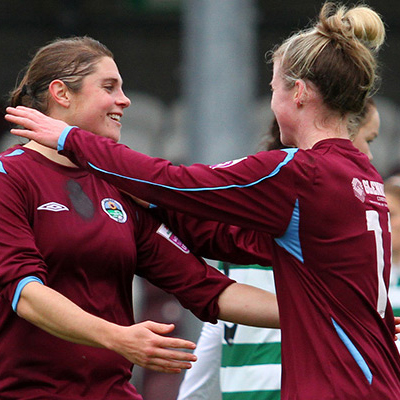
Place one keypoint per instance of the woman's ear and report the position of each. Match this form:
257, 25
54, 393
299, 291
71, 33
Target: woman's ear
300, 95
60, 93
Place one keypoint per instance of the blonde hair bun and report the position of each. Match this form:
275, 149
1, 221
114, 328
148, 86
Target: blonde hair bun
337, 54
359, 22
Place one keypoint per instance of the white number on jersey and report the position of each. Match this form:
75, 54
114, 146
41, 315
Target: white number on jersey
373, 224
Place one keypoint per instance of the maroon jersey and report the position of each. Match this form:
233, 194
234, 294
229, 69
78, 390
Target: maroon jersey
326, 212
80, 236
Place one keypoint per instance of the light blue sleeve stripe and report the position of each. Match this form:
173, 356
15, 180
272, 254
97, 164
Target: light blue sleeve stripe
14, 153
17, 152
2, 170
22, 283
63, 137
290, 241
353, 351
288, 158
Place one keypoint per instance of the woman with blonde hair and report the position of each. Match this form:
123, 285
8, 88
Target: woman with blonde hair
321, 202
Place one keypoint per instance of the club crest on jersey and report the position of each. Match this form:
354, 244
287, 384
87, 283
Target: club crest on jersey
169, 235
227, 164
114, 210
358, 189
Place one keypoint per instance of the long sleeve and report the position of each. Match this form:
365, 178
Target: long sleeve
255, 192
218, 241
168, 264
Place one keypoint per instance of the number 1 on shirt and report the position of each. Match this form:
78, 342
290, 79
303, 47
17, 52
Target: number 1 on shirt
373, 224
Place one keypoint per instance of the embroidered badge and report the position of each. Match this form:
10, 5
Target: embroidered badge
53, 206
114, 210
169, 235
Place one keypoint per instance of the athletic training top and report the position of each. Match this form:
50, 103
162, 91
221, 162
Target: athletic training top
80, 236
326, 211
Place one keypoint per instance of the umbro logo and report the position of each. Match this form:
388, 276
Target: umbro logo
53, 206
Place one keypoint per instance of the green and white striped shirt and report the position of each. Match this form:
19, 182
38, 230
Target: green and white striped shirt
236, 362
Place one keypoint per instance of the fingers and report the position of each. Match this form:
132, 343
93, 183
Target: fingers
19, 114
167, 369
176, 343
23, 111
36, 125
23, 133
163, 329
28, 124
172, 358
165, 360
144, 344
168, 361
158, 327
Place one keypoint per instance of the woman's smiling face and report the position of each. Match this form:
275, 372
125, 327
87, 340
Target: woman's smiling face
98, 106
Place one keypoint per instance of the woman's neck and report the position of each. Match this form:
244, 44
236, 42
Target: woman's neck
313, 130
50, 154
310, 140
314, 121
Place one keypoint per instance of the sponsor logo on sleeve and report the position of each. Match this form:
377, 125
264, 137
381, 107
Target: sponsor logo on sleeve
114, 210
171, 237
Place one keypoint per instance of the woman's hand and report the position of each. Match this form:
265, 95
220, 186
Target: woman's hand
144, 344
38, 126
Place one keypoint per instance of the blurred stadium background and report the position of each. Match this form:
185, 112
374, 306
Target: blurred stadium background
196, 74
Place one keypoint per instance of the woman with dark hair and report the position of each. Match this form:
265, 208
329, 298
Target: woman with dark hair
72, 243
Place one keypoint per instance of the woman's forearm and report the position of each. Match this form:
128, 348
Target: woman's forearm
143, 344
248, 305
57, 315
